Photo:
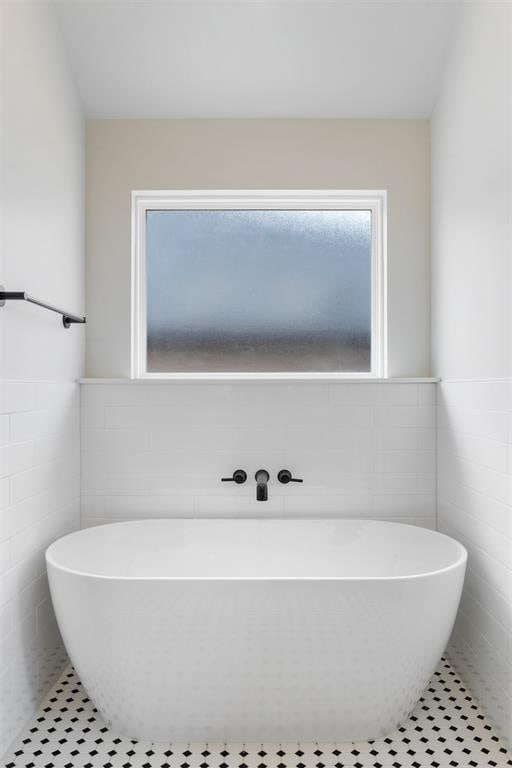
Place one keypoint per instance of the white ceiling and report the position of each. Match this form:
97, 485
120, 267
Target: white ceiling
258, 58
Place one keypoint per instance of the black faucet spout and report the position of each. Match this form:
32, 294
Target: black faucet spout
262, 478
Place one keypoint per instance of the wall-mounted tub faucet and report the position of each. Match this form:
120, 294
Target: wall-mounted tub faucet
262, 478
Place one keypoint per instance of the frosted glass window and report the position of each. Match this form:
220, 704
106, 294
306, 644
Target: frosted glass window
258, 290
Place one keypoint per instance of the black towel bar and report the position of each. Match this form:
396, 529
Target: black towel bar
67, 317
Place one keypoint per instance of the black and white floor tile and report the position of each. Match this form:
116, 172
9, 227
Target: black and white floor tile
446, 730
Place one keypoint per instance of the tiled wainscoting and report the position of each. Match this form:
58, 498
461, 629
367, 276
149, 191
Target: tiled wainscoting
446, 730
160, 449
39, 501
475, 506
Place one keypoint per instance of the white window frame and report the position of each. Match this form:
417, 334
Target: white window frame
374, 200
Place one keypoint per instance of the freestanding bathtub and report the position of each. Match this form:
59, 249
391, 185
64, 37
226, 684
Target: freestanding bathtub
255, 631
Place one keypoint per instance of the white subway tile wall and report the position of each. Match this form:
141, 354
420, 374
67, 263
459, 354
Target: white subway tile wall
39, 501
363, 449
475, 506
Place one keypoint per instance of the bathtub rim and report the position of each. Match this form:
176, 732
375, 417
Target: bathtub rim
460, 561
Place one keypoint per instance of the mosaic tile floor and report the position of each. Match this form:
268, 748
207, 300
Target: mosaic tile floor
446, 729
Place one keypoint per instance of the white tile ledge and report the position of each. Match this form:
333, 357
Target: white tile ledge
263, 378
480, 380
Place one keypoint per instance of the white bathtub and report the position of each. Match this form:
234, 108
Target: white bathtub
255, 631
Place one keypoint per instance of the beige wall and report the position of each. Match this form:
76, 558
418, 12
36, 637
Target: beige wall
123, 155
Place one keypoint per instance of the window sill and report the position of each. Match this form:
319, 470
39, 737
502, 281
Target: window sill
264, 377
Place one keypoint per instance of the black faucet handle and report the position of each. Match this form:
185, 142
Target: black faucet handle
239, 477
285, 476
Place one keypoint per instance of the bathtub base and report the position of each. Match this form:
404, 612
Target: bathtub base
229, 736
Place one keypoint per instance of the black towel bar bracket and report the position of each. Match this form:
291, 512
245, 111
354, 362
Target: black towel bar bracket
67, 317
